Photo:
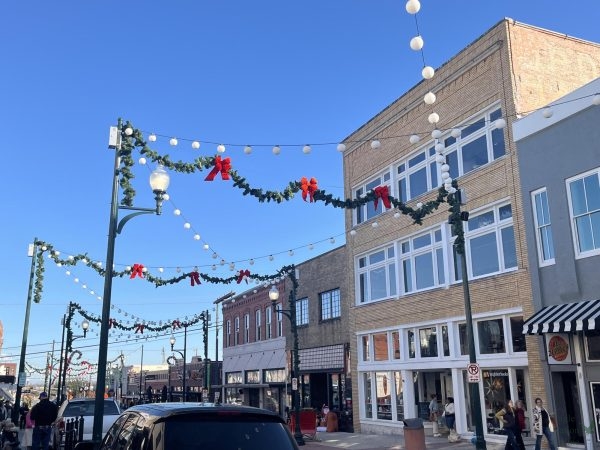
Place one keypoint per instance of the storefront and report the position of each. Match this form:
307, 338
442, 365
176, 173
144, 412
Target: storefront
400, 369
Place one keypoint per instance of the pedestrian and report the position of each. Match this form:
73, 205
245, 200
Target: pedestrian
27, 440
449, 413
10, 435
521, 423
507, 417
433, 415
23, 410
3, 415
542, 425
43, 414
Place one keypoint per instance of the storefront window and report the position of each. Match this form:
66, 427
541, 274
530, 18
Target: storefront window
365, 348
491, 336
462, 336
335, 390
428, 342
253, 376
368, 399
516, 331
380, 346
271, 400
496, 389
592, 345
234, 377
411, 344
396, 344
305, 390
399, 396
274, 375
384, 395
445, 340
233, 396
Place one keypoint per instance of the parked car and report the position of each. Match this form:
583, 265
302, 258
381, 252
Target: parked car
78, 407
196, 426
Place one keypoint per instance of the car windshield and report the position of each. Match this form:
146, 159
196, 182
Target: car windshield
74, 409
226, 432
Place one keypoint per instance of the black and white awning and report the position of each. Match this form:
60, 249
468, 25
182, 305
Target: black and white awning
565, 318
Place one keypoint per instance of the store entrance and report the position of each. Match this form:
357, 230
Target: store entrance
569, 422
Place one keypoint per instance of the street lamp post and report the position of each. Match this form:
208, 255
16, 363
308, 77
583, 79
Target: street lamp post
159, 182
291, 315
69, 350
183, 355
171, 362
456, 221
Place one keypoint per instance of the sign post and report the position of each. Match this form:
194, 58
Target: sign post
474, 373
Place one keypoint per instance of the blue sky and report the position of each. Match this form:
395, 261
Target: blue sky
264, 72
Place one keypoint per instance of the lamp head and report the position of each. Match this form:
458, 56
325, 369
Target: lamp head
85, 325
274, 294
172, 341
159, 182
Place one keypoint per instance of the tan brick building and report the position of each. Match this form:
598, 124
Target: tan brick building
408, 332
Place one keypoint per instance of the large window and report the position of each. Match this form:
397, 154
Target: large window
246, 328
268, 319
302, 311
380, 346
428, 342
478, 144
237, 331
491, 336
258, 325
376, 275
330, 304
279, 320
228, 333
417, 175
490, 242
543, 227
584, 202
422, 262
368, 210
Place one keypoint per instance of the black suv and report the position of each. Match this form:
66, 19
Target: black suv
190, 426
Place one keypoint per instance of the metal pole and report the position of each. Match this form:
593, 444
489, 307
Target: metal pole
62, 355
141, 372
205, 337
48, 369
297, 430
184, 362
31, 252
473, 387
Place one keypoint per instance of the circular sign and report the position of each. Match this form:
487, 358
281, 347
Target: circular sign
473, 369
558, 348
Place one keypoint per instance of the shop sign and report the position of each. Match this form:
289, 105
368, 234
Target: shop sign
559, 348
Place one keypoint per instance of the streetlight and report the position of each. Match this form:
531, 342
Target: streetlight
457, 218
159, 182
183, 355
69, 349
171, 362
291, 315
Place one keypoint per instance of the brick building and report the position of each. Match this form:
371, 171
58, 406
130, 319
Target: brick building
407, 319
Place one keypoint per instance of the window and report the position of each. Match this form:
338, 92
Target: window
479, 143
366, 356
516, 332
279, 320
491, 336
246, 328
368, 395
396, 344
368, 210
377, 275
411, 344
592, 345
274, 376
253, 376
428, 342
383, 392
584, 202
490, 243
268, 319
543, 228
302, 311
258, 324
380, 346
228, 333
422, 262
330, 304
417, 175
237, 331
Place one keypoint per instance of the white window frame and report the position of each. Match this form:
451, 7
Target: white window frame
542, 231
428, 163
228, 332
246, 328
434, 248
268, 320
569, 181
236, 336
389, 263
258, 324
302, 316
360, 214
334, 301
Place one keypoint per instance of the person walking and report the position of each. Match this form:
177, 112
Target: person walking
27, 440
508, 419
521, 423
433, 415
449, 413
43, 414
542, 425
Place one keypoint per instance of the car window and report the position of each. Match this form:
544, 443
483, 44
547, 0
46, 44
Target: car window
226, 432
113, 431
74, 409
126, 434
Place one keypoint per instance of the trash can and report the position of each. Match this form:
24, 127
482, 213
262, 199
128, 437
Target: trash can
414, 434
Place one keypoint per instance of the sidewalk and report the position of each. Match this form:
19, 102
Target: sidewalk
357, 441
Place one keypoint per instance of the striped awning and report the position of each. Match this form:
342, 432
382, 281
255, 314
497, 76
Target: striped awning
565, 318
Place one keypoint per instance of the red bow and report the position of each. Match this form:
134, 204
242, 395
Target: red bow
176, 324
139, 327
221, 166
308, 188
242, 275
138, 269
381, 192
112, 323
194, 278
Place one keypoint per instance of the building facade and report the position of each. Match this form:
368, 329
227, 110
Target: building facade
408, 322
559, 162
258, 343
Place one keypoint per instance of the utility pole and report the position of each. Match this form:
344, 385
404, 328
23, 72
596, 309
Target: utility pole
206, 362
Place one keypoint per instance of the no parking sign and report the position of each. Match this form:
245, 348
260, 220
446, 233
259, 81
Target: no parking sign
474, 373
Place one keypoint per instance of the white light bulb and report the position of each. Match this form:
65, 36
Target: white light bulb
429, 98
152, 138
433, 118
374, 225
196, 145
341, 148
128, 131
187, 225
397, 215
142, 161
221, 148
375, 144
161, 270
416, 43
455, 133
205, 246
306, 149
166, 197
427, 72
276, 150
439, 147
247, 149
196, 237
500, 124
177, 212
413, 139
547, 113
352, 232
436, 134
271, 258
596, 100
173, 142
413, 6
251, 262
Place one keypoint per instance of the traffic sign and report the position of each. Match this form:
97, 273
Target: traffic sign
294, 384
473, 373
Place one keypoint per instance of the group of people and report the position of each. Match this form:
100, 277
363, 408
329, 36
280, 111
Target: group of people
511, 417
